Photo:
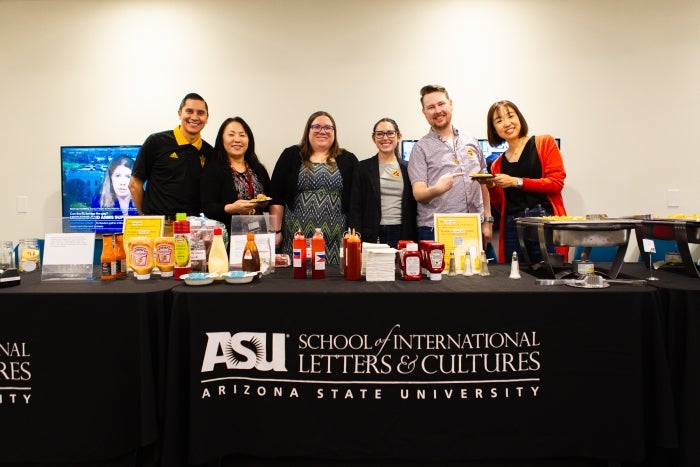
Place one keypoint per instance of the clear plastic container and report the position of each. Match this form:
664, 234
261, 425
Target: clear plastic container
7, 255
29, 255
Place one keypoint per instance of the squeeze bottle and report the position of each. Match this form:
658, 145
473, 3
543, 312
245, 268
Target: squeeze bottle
299, 255
318, 255
218, 258
108, 259
181, 234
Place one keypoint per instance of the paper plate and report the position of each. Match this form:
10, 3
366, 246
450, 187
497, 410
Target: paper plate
199, 278
239, 277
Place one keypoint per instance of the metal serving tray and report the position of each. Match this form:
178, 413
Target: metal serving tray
589, 231
682, 229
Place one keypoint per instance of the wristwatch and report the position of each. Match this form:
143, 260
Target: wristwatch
488, 219
520, 182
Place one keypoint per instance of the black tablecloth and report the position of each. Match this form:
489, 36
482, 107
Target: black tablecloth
464, 368
680, 299
81, 369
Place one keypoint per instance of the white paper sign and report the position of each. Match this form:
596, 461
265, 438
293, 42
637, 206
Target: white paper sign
68, 248
648, 245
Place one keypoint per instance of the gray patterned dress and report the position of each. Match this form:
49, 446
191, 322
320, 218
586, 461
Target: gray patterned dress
317, 204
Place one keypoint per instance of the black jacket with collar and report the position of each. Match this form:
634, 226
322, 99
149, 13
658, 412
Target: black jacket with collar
366, 205
285, 177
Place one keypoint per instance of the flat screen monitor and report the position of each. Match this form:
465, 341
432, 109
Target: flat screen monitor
491, 153
406, 147
94, 187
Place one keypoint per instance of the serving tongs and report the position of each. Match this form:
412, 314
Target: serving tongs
590, 281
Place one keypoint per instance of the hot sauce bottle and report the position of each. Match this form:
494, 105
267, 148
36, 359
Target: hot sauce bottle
299, 255
120, 255
353, 261
318, 255
108, 259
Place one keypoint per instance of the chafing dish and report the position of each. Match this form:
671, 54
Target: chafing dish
571, 231
680, 228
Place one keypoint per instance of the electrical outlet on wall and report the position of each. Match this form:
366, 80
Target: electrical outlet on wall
22, 203
673, 196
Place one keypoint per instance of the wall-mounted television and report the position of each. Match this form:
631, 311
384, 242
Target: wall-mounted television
491, 153
406, 147
94, 187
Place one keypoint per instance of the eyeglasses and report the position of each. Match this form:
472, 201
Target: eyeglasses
381, 134
327, 128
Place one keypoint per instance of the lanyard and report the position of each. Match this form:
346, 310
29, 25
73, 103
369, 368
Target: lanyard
247, 179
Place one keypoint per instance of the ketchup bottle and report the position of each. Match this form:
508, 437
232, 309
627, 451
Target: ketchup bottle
299, 255
411, 263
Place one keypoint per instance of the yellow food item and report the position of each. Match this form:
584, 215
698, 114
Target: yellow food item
564, 218
680, 216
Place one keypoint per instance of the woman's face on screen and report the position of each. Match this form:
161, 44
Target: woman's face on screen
120, 180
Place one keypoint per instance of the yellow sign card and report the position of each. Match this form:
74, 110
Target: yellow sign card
143, 226
458, 230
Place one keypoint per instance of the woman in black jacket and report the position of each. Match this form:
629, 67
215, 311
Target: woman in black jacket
382, 206
234, 177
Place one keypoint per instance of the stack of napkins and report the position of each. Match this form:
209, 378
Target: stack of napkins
378, 262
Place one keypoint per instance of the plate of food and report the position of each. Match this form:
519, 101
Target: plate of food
260, 199
199, 278
240, 277
481, 176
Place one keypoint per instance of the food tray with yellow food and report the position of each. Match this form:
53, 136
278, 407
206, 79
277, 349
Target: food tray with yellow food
578, 230
580, 220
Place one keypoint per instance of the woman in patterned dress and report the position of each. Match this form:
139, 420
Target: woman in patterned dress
311, 187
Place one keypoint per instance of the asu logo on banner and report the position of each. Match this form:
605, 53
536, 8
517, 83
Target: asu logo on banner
245, 351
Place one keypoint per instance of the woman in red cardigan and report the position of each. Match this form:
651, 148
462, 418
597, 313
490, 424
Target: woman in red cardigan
529, 178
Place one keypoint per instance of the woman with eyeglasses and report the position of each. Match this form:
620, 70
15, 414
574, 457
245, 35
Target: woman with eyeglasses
382, 206
311, 187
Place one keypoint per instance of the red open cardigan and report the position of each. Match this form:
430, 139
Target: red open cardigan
551, 183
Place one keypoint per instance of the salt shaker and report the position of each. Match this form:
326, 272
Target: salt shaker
452, 271
467, 264
484, 265
514, 267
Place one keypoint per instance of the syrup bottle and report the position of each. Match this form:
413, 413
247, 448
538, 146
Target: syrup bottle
251, 255
318, 255
299, 255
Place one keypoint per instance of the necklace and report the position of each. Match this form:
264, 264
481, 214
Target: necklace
516, 150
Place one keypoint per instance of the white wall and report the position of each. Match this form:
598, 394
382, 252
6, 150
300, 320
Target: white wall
615, 80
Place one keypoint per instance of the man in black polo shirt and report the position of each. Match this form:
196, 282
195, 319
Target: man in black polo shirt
165, 177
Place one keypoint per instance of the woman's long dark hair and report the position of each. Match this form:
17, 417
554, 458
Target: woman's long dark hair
250, 156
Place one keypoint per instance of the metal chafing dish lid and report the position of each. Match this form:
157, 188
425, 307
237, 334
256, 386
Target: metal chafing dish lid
597, 222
